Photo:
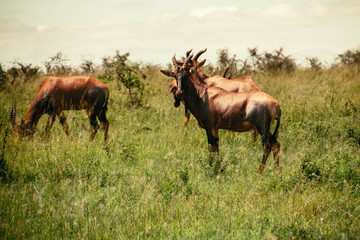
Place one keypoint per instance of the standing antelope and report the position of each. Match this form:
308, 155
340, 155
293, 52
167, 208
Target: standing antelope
216, 108
234, 85
57, 94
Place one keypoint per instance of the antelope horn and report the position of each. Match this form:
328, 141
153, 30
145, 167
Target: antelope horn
225, 70
175, 62
187, 60
188, 52
12, 116
199, 54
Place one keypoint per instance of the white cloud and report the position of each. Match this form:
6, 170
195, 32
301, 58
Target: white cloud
279, 14
316, 8
280, 10
163, 18
201, 12
139, 4
41, 28
10, 25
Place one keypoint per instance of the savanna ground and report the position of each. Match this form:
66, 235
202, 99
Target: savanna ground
152, 181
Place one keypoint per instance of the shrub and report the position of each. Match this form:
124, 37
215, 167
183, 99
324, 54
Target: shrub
350, 57
3, 78
315, 63
4, 168
128, 74
28, 71
274, 62
238, 67
87, 67
14, 73
56, 65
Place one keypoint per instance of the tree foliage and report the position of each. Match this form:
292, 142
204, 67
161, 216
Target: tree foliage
87, 67
273, 62
3, 77
238, 67
126, 74
56, 65
350, 58
28, 71
14, 73
315, 63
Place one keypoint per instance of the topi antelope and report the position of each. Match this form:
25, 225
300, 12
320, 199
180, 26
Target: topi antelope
57, 94
234, 85
215, 108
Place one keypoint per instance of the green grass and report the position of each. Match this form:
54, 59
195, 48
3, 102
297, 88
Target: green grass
153, 181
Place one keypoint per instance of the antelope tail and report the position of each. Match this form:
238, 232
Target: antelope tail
275, 134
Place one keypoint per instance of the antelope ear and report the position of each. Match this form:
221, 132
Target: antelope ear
167, 73
202, 63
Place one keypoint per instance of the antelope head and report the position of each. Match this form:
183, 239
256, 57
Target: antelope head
173, 88
180, 73
22, 129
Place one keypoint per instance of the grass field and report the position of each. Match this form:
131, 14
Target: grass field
152, 181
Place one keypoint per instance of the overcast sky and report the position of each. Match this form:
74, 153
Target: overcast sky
31, 31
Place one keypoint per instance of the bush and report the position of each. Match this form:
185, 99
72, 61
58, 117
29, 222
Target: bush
274, 62
28, 71
128, 74
56, 65
238, 67
315, 63
350, 57
87, 67
14, 73
3, 78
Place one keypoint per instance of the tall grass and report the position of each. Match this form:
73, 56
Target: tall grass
152, 181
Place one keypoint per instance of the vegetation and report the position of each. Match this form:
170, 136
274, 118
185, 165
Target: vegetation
126, 74
151, 181
56, 65
350, 57
270, 62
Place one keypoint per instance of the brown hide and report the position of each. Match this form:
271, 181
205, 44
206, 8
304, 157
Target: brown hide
216, 108
57, 94
69, 93
239, 111
232, 85
245, 84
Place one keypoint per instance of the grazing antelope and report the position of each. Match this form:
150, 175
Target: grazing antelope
57, 94
234, 85
215, 108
